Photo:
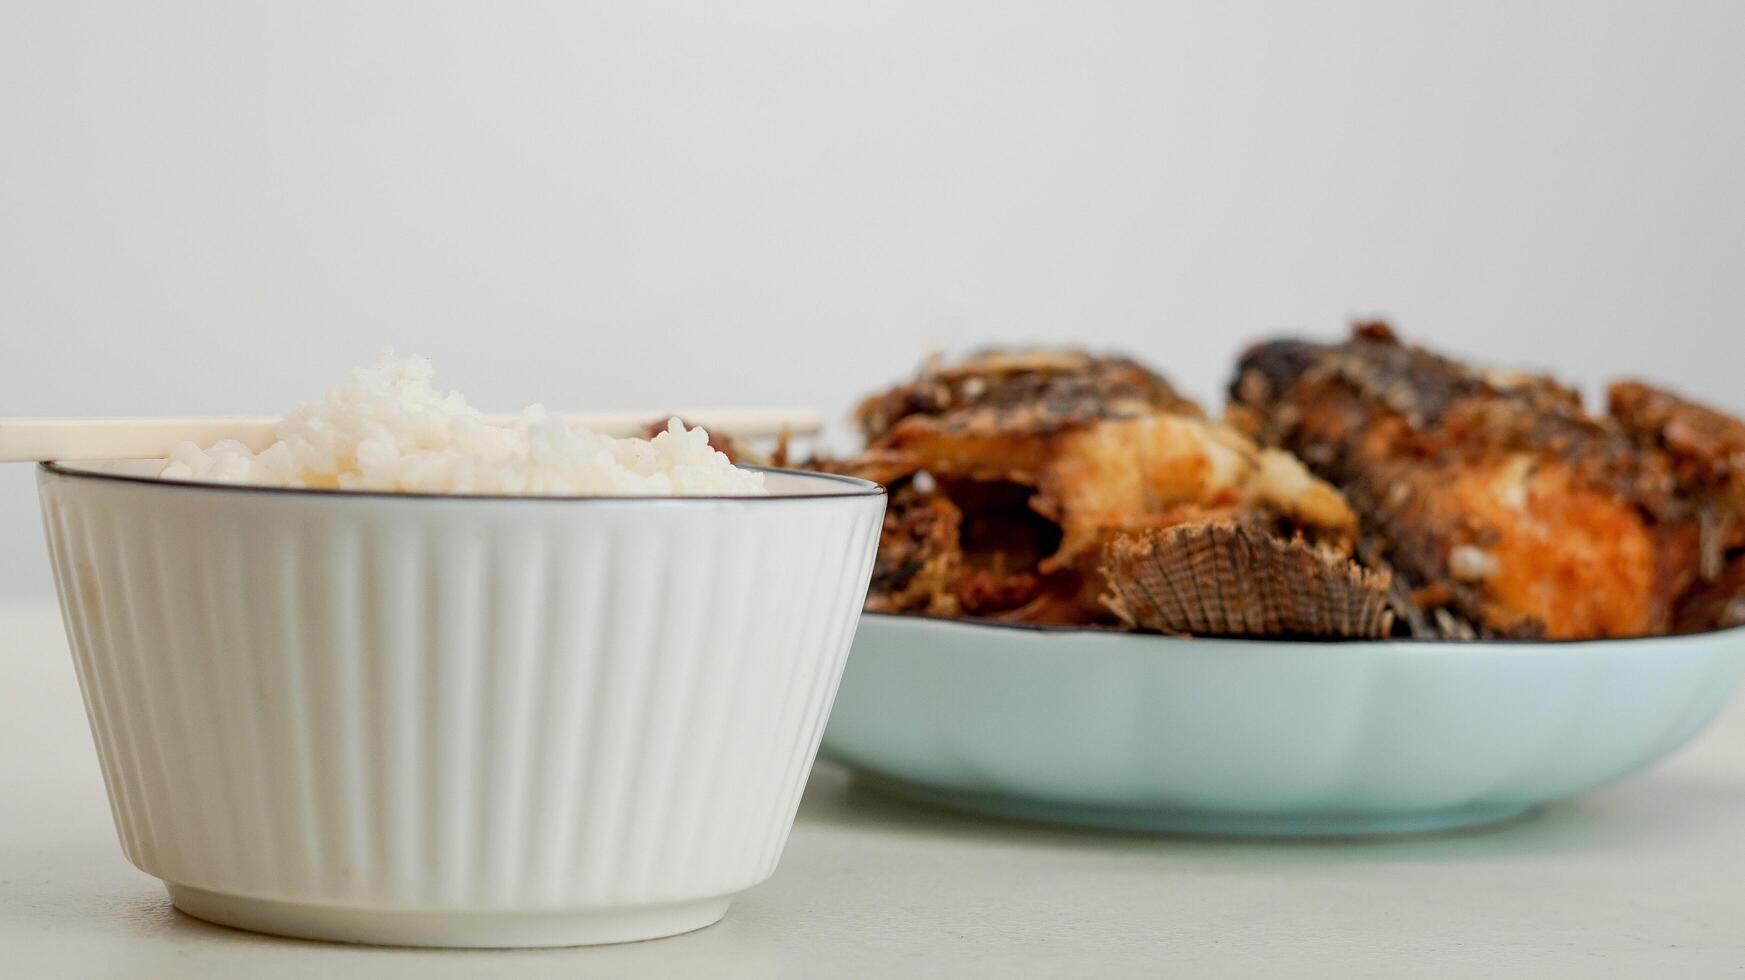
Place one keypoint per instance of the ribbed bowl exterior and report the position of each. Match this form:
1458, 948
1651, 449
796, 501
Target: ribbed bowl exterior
455, 704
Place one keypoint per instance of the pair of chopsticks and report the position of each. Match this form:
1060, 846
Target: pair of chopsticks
28, 440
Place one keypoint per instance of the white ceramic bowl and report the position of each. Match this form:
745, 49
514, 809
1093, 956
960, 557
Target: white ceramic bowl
1243, 737
456, 721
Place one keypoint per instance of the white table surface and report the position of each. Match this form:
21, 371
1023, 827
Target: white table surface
1643, 878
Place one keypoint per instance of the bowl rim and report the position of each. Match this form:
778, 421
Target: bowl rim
858, 489
1423, 643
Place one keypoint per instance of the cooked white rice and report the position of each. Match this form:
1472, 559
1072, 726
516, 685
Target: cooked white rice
386, 428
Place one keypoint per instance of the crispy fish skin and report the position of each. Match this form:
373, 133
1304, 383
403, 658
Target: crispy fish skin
1497, 494
1006, 393
1224, 578
920, 561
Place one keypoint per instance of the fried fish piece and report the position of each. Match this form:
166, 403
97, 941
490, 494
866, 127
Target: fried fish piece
1495, 494
1165, 469
1050, 455
1706, 450
1715, 603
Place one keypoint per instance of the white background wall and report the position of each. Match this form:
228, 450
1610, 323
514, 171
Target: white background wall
220, 207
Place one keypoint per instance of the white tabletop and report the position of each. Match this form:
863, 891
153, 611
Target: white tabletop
1644, 877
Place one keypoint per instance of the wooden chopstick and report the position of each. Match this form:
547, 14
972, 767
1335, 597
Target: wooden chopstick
24, 440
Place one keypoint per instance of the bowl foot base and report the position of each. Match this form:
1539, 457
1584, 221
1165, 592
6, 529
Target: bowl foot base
1206, 822
510, 929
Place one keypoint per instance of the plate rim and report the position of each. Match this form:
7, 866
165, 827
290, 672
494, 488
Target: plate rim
1415, 646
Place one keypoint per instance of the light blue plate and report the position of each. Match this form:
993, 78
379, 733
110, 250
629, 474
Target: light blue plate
1207, 736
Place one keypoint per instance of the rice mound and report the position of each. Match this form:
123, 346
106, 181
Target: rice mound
386, 428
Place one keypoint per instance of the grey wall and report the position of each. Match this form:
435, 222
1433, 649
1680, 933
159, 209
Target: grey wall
219, 207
